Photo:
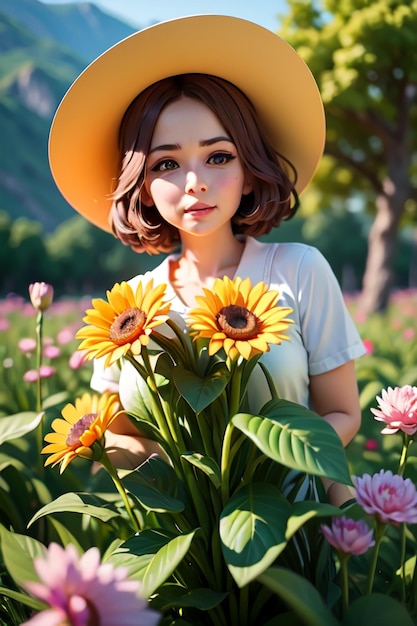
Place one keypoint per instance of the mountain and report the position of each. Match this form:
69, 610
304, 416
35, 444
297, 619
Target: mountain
42, 50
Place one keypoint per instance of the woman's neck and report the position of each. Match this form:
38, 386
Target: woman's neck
203, 260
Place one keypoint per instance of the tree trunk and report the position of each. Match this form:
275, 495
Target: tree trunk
378, 277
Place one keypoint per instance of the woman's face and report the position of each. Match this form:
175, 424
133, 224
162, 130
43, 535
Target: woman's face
194, 175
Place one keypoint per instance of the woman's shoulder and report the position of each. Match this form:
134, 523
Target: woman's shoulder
293, 252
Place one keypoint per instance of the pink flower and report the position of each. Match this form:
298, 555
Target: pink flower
31, 376
41, 295
77, 359
27, 344
392, 498
348, 536
81, 591
409, 334
45, 371
368, 345
4, 323
51, 352
371, 444
398, 409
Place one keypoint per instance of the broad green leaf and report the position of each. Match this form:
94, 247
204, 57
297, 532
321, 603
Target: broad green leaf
155, 485
18, 554
299, 594
253, 525
148, 541
377, 609
297, 438
137, 565
55, 399
204, 599
15, 426
200, 392
165, 561
77, 503
206, 464
306, 510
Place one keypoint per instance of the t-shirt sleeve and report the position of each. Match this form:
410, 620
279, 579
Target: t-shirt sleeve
329, 334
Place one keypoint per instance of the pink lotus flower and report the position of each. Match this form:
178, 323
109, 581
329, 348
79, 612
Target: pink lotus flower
81, 592
41, 295
398, 409
348, 535
392, 498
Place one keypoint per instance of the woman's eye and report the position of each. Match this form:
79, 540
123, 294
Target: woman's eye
163, 166
221, 158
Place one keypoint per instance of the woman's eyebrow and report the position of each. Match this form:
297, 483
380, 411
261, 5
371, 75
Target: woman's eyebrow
176, 146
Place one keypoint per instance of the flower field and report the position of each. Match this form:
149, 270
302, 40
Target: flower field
152, 532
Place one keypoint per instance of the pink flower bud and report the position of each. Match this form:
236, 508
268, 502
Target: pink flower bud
27, 345
348, 536
41, 295
51, 352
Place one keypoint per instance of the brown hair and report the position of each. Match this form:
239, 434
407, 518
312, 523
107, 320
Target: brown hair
142, 227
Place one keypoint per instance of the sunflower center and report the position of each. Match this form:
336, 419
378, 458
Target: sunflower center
237, 322
80, 426
127, 326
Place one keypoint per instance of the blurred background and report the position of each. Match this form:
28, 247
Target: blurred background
360, 211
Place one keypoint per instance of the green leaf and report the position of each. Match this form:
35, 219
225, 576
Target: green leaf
15, 426
204, 599
206, 464
377, 610
297, 438
306, 510
37, 605
77, 503
155, 485
18, 554
137, 565
148, 541
55, 399
200, 392
252, 529
299, 594
164, 562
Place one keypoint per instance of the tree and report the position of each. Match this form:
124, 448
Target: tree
363, 54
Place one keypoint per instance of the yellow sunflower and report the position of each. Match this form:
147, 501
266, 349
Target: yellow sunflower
84, 423
125, 322
239, 318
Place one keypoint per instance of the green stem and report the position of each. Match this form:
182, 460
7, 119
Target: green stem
344, 558
225, 462
39, 430
407, 441
379, 533
105, 461
402, 560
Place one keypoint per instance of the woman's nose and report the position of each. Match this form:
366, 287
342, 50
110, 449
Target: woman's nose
194, 183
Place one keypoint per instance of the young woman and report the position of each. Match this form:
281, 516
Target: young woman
194, 137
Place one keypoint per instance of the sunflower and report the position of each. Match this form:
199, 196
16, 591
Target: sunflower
83, 425
125, 322
238, 318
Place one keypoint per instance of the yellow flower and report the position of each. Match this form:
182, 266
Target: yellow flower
125, 322
238, 318
83, 425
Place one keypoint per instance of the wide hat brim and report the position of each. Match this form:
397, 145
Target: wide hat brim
83, 143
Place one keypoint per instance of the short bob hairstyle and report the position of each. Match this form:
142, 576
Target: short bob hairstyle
272, 200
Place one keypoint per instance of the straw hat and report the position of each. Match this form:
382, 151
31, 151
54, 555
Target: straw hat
83, 144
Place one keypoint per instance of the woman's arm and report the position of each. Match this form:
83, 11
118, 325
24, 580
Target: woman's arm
335, 397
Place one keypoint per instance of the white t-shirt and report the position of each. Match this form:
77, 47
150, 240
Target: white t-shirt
322, 338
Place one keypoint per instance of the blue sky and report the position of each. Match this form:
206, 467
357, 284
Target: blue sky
139, 13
